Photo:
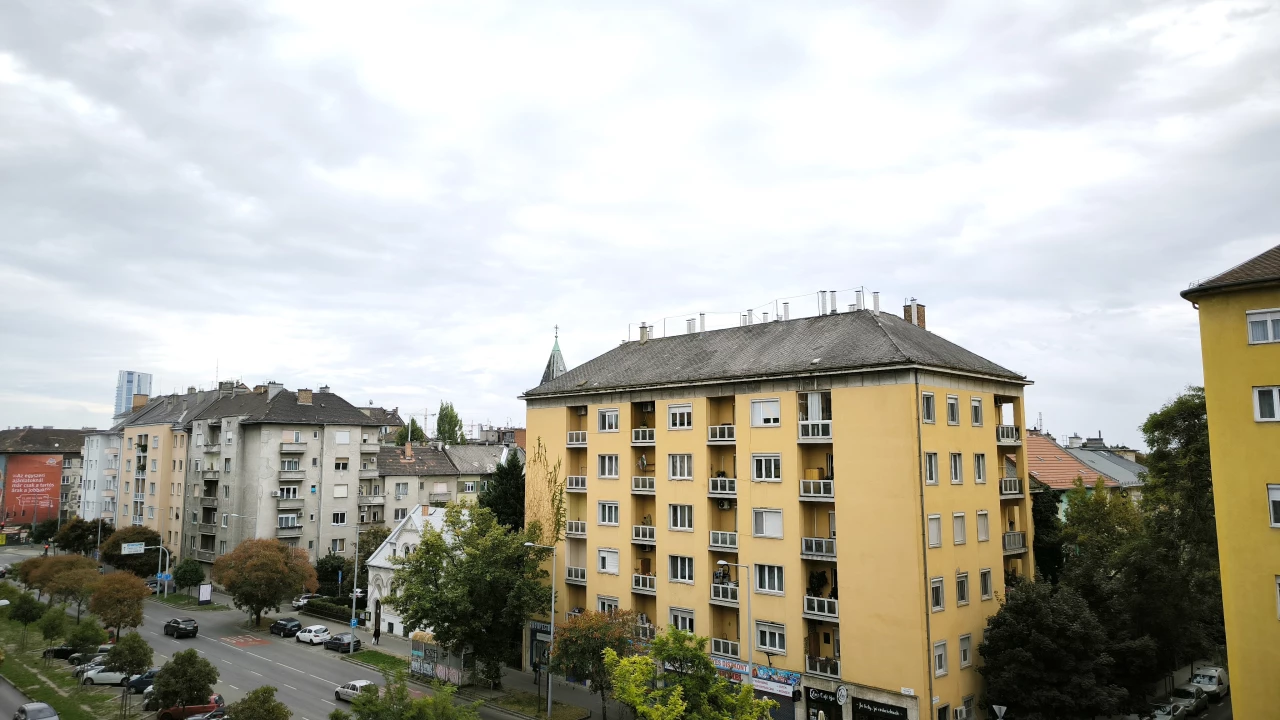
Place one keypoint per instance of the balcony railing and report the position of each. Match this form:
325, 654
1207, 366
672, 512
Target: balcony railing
209, 501
576, 483
724, 540
139, 497
575, 575
724, 648
645, 534
110, 472
815, 431
721, 434
822, 666
211, 447
817, 489
1008, 435
435, 497
647, 584
576, 528
818, 548
205, 555
1015, 542
1011, 486
293, 474
645, 632
370, 448
577, 438
643, 484
137, 519
289, 531
372, 499
208, 528
293, 447
722, 487
209, 474
369, 474
821, 608
285, 503
642, 436
724, 594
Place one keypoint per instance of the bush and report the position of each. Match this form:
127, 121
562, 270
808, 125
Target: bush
329, 610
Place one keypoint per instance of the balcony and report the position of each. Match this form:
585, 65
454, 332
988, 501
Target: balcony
211, 448
724, 540
289, 531
819, 608
724, 594
205, 556
822, 666
208, 528
577, 438
112, 452
643, 436
818, 548
645, 632
644, 584
643, 485
370, 448
575, 529
139, 497
575, 483
209, 501
815, 431
294, 503
722, 487
293, 448
110, 472
293, 474
721, 435
443, 497
818, 490
137, 519
1011, 488
1008, 435
209, 474
724, 648
644, 534
371, 499
1015, 542
369, 474
575, 575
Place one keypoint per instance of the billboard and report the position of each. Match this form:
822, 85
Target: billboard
32, 484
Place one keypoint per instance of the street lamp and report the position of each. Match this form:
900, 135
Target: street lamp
751, 666
552, 548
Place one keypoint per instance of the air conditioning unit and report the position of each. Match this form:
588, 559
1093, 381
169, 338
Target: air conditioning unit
275, 493
960, 714
724, 504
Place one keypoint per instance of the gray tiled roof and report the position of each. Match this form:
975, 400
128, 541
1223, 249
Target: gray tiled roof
825, 344
1264, 268
1125, 472
174, 409
42, 440
283, 409
476, 459
426, 461
383, 416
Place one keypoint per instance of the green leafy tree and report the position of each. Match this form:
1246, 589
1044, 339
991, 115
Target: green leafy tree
505, 492
329, 569
26, 610
412, 432
1046, 657
130, 655
53, 624
143, 564
475, 585
449, 428
187, 574
370, 540
396, 702
75, 587
259, 704
43, 531
30, 572
1048, 537
118, 600
187, 679
633, 683
581, 642
86, 636
262, 574
81, 536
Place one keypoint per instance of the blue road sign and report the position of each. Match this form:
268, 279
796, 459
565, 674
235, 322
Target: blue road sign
353, 622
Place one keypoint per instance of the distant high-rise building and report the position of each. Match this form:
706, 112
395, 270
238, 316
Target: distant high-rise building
130, 383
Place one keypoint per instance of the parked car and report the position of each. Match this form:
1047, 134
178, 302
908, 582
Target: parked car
343, 642
182, 713
61, 652
1190, 697
141, 682
93, 664
103, 676
35, 711
4, 571
285, 627
1166, 711
215, 715
1213, 681
182, 627
84, 657
302, 599
312, 635
349, 691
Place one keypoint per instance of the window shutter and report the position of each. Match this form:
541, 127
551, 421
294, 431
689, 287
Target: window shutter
611, 559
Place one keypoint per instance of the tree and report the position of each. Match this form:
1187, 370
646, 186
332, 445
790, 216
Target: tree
1046, 657
449, 428
81, 536
53, 624
329, 569
50, 574
633, 682
1048, 538
130, 655
505, 492
187, 679
43, 531
143, 564
475, 585
25, 610
370, 540
75, 586
581, 642
262, 574
86, 636
118, 600
396, 702
29, 573
413, 432
187, 574
259, 704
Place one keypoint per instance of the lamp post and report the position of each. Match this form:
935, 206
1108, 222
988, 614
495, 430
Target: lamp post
751, 666
552, 548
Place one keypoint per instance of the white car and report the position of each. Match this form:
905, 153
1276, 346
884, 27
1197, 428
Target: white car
1213, 681
313, 635
103, 676
349, 691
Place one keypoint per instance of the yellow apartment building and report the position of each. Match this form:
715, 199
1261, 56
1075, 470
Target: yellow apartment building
836, 501
1240, 343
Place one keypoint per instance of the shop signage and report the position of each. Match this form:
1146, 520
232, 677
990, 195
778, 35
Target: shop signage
540, 626
842, 694
878, 709
821, 695
769, 686
785, 677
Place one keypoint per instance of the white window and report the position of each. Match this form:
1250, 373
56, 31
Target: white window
681, 517
979, 468
937, 595
984, 527
225, 517
935, 531
1264, 326
286, 521
984, 583
766, 468
966, 656
222, 547
766, 413
289, 464
769, 579
608, 513
608, 420
401, 513
962, 588
606, 604
342, 437
931, 468
339, 518
226, 465
771, 638
679, 417
468, 486
681, 568
1265, 402
970, 708
958, 534
953, 410
766, 523
926, 407
402, 488
607, 466
341, 463
940, 658
682, 619
680, 467
338, 545
340, 490
608, 562
151, 511
957, 468
975, 411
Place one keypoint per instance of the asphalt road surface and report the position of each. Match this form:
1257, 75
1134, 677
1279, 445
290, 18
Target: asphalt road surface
11, 698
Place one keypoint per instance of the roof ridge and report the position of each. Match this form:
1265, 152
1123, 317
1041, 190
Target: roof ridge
896, 346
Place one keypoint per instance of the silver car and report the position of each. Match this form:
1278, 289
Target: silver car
1167, 711
1190, 697
352, 689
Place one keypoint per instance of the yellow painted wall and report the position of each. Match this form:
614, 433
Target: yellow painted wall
165, 478
1245, 455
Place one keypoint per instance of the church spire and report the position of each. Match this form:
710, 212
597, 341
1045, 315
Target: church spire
555, 363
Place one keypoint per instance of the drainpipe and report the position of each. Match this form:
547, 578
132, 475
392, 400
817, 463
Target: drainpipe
320, 493
924, 537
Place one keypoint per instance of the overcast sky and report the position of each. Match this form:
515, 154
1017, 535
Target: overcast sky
402, 199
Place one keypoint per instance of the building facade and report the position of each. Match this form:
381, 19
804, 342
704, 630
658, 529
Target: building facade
72, 478
823, 497
37, 466
1240, 344
128, 384
411, 476
406, 535
100, 475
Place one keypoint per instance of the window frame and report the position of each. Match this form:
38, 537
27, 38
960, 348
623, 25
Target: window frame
777, 417
681, 618
940, 669
333, 518
602, 463
962, 581
984, 578
602, 512
680, 569
976, 413
774, 463
761, 512
1273, 504
983, 526
1274, 391
958, 520
937, 594
679, 511
956, 461
779, 630
603, 554
675, 461
607, 604
1271, 320
775, 574
934, 521
966, 650
928, 408
979, 468
953, 410
603, 416
931, 468
682, 409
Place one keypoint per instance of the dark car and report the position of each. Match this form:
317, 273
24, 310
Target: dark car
35, 711
143, 681
81, 658
182, 627
61, 652
285, 627
343, 642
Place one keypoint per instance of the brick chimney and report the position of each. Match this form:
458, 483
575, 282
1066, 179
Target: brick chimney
913, 312
408, 449
140, 401
304, 396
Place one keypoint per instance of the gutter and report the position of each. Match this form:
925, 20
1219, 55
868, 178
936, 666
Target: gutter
1198, 290
924, 537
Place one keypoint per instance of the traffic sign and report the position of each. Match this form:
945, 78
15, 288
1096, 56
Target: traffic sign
354, 622
1000, 710
132, 548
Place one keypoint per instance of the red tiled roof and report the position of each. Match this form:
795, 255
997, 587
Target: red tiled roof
1055, 467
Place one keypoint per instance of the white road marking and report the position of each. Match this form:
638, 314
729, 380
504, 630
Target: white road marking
233, 687
323, 680
292, 668
258, 656
330, 702
289, 686
255, 672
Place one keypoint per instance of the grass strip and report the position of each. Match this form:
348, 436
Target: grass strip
379, 659
530, 704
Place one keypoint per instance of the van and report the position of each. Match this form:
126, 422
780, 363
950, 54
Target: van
1212, 680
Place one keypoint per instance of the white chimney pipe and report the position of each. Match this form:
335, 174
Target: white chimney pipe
702, 322
644, 332
852, 308
764, 317
786, 311
688, 326
822, 302
875, 302
835, 307
857, 299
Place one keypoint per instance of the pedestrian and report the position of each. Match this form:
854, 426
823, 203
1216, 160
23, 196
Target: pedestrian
377, 633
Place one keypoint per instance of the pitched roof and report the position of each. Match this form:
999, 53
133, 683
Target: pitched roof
1055, 467
1263, 269
42, 440
1124, 471
409, 528
284, 409
176, 410
426, 460
824, 344
476, 459
555, 363
384, 416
